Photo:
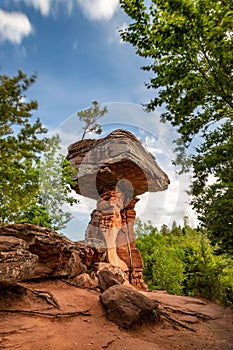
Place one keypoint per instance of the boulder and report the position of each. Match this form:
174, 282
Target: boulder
109, 276
16, 262
85, 281
127, 307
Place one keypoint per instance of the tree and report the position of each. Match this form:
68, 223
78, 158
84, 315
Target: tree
54, 192
90, 116
215, 203
164, 230
34, 179
56, 175
20, 146
189, 44
37, 214
174, 225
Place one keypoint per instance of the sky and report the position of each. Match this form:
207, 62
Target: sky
75, 48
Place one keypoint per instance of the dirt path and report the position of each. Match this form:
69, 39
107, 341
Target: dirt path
186, 323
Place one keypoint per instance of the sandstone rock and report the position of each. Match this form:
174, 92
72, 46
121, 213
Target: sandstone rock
113, 225
85, 281
114, 170
127, 307
16, 262
90, 255
56, 253
116, 270
109, 275
50, 254
102, 163
105, 225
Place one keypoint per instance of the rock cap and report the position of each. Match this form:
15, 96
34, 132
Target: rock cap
117, 160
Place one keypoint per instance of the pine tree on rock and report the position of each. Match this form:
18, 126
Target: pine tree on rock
90, 116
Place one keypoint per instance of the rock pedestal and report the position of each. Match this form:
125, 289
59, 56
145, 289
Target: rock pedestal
112, 226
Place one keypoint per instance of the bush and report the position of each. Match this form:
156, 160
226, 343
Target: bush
184, 262
162, 267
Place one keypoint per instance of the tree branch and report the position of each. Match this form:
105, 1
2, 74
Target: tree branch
48, 314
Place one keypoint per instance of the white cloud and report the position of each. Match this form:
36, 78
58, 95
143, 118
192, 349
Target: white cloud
43, 6
93, 9
98, 9
153, 145
14, 26
46, 6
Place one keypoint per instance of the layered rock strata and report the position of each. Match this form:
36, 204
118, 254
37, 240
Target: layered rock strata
102, 164
114, 170
112, 225
29, 252
16, 262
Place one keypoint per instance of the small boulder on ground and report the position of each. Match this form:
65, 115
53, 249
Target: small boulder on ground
127, 307
109, 275
85, 281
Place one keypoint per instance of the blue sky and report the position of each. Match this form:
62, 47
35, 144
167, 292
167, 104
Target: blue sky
78, 58
75, 48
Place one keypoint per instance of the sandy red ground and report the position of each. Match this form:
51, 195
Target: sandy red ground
211, 326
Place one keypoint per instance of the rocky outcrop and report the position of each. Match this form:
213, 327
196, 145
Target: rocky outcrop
85, 281
28, 251
114, 170
16, 262
127, 307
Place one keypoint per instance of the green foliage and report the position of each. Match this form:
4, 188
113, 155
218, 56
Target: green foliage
55, 181
215, 204
20, 147
34, 179
162, 266
55, 184
90, 116
203, 268
37, 215
184, 262
189, 44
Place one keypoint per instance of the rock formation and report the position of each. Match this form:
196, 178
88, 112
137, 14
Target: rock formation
102, 164
28, 251
16, 262
114, 170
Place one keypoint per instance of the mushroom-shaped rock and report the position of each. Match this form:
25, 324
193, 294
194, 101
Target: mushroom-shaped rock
114, 170
102, 164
